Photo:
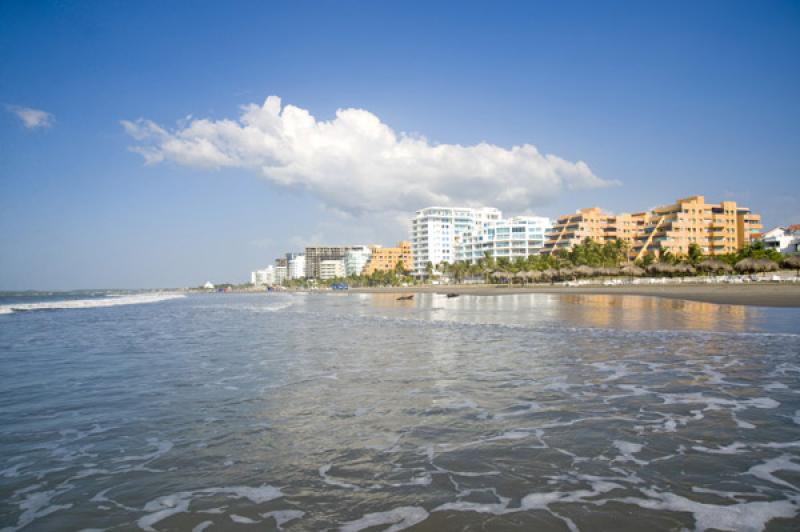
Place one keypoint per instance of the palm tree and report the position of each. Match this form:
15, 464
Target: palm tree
489, 261
695, 253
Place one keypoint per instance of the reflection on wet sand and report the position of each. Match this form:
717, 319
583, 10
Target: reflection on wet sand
651, 312
596, 310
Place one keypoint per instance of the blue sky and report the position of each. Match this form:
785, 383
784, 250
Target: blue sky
659, 100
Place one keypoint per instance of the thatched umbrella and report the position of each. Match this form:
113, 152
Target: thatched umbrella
751, 265
632, 270
685, 269
521, 276
565, 273
609, 272
661, 268
506, 276
583, 271
534, 276
714, 266
792, 262
767, 265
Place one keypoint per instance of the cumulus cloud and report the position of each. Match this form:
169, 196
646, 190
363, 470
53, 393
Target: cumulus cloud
355, 163
32, 118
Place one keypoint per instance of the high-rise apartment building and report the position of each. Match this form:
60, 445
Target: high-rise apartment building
316, 254
520, 236
281, 274
385, 259
436, 232
296, 265
717, 228
331, 269
356, 258
265, 277
586, 223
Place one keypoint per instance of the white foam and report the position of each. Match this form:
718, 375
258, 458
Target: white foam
744, 517
37, 505
101, 497
628, 449
282, 517
718, 403
14, 471
162, 448
538, 501
617, 370
176, 503
511, 435
530, 406
497, 508
202, 526
112, 301
782, 463
242, 520
734, 448
400, 519
327, 479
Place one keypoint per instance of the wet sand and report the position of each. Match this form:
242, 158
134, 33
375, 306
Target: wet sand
762, 295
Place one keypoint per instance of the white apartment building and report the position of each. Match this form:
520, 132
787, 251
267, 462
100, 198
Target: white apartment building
296, 264
265, 277
436, 232
281, 274
520, 236
331, 269
355, 259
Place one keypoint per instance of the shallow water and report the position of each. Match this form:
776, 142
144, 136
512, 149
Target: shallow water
348, 411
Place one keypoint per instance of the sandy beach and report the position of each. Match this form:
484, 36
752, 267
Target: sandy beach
764, 295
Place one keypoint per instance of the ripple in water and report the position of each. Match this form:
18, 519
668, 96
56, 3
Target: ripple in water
357, 412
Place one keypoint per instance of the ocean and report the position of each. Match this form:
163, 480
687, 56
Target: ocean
359, 412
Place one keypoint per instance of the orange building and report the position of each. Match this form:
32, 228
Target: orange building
717, 228
385, 259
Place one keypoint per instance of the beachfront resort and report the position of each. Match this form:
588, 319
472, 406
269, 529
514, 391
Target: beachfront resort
448, 244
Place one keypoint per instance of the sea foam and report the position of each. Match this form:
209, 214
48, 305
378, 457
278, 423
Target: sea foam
111, 301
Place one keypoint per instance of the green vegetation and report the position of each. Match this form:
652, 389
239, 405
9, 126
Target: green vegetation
585, 259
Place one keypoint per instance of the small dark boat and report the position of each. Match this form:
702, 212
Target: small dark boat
452, 295
406, 298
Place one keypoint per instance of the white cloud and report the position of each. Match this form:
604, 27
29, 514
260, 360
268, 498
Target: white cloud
356, 164
32, 118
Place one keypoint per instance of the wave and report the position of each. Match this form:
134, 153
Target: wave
111, 301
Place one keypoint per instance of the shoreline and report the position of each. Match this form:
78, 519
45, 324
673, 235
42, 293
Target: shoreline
760, 295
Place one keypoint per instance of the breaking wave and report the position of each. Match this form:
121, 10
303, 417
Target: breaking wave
111, 301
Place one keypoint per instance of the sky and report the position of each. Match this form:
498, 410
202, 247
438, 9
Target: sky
164, 144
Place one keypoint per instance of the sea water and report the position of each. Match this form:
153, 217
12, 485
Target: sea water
358, 411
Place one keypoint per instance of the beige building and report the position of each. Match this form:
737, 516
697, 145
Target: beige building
385, 259
717, 228
331, 269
